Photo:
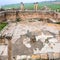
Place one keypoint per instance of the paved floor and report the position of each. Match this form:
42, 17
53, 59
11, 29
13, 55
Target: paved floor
20, 28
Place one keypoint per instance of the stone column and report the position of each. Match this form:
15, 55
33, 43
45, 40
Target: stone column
0, 58
9, 47
36, 6
2, 39
22, 6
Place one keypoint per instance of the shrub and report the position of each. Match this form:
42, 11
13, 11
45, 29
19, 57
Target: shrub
18, 19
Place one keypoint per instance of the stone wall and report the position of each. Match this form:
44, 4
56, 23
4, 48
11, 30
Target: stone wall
13, 14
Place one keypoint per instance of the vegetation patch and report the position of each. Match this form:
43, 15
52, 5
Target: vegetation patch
31, 6
18, 19
2, 25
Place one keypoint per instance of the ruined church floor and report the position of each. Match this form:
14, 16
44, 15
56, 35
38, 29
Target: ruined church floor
21, 43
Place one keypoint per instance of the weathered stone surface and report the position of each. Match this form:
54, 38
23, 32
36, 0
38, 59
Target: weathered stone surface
13, 14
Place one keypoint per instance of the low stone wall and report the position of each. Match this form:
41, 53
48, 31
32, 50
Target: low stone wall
13, 14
